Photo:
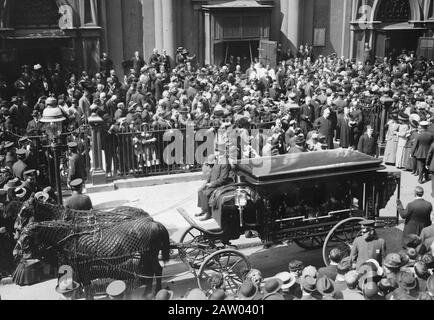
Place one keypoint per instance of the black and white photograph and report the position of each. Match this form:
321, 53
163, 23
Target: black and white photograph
216, 150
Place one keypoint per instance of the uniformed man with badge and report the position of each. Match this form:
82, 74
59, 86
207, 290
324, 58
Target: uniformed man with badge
78, 200
20, 166
368, 245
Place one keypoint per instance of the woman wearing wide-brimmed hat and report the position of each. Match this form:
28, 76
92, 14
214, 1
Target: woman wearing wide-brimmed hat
403, 128
410, 163
391, 140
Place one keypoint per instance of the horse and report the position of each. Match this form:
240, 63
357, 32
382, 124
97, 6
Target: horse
34, 210
122, 251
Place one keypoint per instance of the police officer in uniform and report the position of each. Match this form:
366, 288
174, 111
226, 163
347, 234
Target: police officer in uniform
78, 200
20, 166
11, 156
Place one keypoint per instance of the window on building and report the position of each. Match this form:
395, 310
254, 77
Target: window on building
394, 11
88, 12
34, 14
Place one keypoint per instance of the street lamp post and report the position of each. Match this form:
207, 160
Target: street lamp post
98, 173
386, 103
54, 118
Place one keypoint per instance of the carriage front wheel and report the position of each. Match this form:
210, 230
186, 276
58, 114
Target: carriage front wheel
229, 266
341, 236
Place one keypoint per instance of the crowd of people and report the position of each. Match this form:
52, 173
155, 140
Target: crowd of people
308, 104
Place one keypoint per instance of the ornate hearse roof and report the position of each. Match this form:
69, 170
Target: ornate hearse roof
306, 166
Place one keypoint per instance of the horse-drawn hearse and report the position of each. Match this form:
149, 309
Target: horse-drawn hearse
312, 199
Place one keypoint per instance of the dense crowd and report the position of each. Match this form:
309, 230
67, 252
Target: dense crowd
308, 104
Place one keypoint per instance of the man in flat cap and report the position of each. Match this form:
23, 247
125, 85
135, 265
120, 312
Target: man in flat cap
78, 200
368, 245
20, 166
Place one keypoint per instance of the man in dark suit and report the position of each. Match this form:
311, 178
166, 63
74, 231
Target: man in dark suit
76, 163
421, 150
307, 117
78, 200
417, 215
326, 127
331, 271
430, 166
137, 62
35, 127
368, 143
20, 166
218, 177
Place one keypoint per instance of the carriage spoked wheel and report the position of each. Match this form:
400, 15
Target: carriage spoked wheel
198, 246
341, 236
230, 265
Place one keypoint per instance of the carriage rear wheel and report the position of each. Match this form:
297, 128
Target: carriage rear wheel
341, 236
229, 265
198, 246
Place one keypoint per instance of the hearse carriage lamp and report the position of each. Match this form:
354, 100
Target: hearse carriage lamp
241, 203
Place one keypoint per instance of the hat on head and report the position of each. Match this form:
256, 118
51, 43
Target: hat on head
42, 196
343, 267
24, 139
66, 286
310, 271
21, 152
247, 291
412, 241
218, 295
407, 280
421, 269
196, 294
273, 296
325, 286
308, 283
288, 279
367, 223
393, 261
37, 67
424, 124
12, 184
76, 183
72, 145
116, 288
370, 291
20, 192
30, 173
8, 144
403, 116
164, 294
300, 139
377, 268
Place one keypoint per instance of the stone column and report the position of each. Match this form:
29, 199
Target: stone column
98, 175
169, 31
158, 14
290, 24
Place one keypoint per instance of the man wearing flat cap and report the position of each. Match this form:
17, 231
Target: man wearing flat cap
78, 200
20, 166
368, 245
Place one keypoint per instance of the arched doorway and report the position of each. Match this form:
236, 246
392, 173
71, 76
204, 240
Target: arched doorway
394, 29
